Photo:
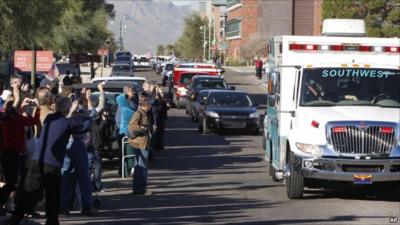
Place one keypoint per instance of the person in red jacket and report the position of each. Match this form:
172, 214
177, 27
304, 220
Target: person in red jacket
12, 126
259, 66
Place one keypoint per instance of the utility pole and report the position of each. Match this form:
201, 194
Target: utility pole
209, 39
203, 28
121, 41
33, 72
122, 27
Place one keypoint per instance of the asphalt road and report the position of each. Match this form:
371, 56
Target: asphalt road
223, 179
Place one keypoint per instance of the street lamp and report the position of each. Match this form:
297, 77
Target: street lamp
203, 28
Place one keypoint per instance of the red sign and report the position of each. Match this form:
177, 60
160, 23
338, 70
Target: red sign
23, 60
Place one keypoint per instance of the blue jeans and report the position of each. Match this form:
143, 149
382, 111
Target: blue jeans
75, 171
140, 174
95, 169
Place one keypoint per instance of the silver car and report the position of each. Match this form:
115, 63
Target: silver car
122, 70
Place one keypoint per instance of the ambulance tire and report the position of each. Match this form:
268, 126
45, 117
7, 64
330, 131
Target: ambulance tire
294, 181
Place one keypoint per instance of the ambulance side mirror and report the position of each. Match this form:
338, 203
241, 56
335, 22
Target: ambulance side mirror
273, 83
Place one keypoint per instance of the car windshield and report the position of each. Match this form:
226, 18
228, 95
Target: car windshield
227, 99
143, 59
121, 68
169, 67
350, 86
209, 84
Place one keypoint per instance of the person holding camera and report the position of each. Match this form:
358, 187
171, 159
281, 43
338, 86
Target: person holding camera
139, 139
12, 126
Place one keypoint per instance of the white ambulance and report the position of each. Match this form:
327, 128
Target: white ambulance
333, 108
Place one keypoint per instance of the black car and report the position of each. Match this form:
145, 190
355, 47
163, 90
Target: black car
226, 109
198, 84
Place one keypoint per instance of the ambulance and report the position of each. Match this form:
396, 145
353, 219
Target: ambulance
333, 108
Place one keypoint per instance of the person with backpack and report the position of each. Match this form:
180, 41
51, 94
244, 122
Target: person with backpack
139, 140
127, 104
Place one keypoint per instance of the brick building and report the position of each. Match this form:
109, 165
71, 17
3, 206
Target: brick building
241, 25
260, 19
274, 18
307, 19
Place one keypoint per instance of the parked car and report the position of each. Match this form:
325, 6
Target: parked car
202, 82
143, 62
227, 109
122, 70
125, 60
167, 73
137, 82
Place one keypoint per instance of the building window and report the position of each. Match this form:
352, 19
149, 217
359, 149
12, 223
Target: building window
231, 3
233, 28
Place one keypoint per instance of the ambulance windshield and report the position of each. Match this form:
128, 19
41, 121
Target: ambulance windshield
350, 86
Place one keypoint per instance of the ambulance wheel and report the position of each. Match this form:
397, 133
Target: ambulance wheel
294, 180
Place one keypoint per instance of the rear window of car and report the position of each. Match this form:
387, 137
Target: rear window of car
229, 99
143, 59
121, 68
123, 59
209, 83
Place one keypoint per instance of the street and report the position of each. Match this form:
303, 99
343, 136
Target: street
223, 179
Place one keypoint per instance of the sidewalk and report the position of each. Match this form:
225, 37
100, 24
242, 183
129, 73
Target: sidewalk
242, 69
249, 75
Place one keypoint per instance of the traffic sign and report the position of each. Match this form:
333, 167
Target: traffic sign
23, 60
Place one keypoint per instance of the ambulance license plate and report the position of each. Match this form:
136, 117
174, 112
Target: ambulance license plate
362, 178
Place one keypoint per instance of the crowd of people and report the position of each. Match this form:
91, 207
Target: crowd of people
50, 140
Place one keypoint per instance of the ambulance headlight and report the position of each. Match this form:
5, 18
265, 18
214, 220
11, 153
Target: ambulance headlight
309, 148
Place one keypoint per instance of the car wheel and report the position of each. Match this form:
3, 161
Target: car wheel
294, 180
206, 130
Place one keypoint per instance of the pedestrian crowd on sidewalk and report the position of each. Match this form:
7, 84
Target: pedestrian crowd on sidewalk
50, 140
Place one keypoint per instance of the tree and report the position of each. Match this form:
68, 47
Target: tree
160, 50
255, 46
190, 44
170, 49
82, 27
382, 17
26, 24
60, 25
